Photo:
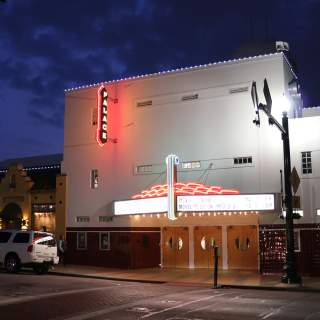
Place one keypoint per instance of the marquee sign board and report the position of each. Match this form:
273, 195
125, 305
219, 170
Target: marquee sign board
216, 203
141, 206
102, 133
250, 202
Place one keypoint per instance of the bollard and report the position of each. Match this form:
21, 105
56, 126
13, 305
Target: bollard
215, 271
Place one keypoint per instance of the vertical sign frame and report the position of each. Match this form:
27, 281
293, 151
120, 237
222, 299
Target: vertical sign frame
102, 105
172, 161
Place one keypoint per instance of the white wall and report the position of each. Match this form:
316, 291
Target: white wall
213, 129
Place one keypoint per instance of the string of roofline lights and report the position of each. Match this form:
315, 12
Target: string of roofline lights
195, 214
35, 168
178, 70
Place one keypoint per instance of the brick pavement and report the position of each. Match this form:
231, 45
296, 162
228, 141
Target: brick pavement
204, 277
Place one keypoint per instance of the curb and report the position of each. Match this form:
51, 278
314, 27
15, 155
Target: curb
78, 275
269, 288
221, 286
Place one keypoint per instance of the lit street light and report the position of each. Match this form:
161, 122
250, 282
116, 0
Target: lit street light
290, 272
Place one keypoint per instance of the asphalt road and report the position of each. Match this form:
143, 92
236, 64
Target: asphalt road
28, 296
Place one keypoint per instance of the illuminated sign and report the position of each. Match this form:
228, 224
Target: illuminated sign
171, 161
249, 202
184, 189
216, 203
102, 135
141, 206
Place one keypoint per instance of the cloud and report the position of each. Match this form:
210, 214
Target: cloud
48, 46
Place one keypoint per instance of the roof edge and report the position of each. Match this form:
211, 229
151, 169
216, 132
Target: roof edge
224, 62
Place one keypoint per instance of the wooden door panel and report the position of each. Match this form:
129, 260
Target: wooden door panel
205, 238
182, 247
168, 250
175, 247
243, 247
200, 254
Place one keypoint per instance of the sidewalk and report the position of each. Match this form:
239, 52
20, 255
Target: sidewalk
239, 279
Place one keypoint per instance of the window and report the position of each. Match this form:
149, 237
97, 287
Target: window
294, 211
297, 244
306, 162
242, 160
318, 212
82, 219
12, 181
238, 90
94, 179
39, 235
191, 165
94, 119
190, 97
144, 168
81, 240
43, 207
104, 241
144, 103
4, 236
48, 241
105, 218
21, 237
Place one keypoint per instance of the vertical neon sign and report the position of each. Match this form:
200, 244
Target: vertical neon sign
172, 161
102, 98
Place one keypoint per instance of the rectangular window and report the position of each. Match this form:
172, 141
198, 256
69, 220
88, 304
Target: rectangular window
306, 162
297, 244
144, 168
105, 218
82, 219
238, 90
81, 240
94, 179
191, 165
144, 103
104, 241
318, 212
242, 160
294, 211
190, 97
21, 238
94, 116
5, 236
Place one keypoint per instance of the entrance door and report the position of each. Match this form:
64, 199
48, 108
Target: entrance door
205, 239
243, 247
175, 247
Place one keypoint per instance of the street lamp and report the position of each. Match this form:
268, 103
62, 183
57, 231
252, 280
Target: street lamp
290, 272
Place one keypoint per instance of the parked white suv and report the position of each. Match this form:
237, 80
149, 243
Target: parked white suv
27, 248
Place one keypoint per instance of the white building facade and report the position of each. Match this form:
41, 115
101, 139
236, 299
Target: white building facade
204, 116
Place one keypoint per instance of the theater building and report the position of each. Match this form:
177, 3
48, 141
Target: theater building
118, 135
32, 194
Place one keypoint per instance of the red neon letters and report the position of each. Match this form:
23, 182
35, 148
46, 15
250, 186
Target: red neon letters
102, 134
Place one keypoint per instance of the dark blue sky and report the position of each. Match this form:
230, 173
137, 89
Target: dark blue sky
48, 46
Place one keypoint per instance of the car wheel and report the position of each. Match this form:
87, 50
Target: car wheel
41, 268
12, 263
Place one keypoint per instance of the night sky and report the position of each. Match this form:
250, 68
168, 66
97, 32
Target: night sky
48, 46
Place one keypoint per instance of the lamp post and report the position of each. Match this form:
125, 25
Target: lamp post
290, 272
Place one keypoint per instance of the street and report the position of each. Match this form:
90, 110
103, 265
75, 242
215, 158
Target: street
28, 296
